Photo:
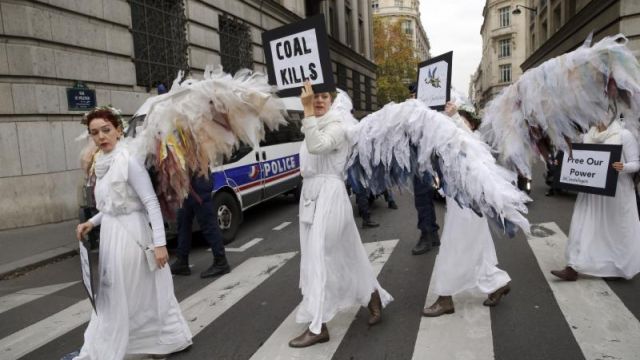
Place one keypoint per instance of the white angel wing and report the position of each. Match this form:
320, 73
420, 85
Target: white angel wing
397, 142
556, 102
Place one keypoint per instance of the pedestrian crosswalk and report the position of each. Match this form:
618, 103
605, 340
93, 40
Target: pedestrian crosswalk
600, 322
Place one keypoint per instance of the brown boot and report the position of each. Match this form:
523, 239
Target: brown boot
444, 305
494, 298
307, 338
567, 274
375, 308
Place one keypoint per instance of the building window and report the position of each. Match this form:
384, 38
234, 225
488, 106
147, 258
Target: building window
407, 27
543, 31
543, 3
341, 71
374, 4
361, 36
505, 48
236, 50
367, 93
505, 16
557, 18
505, 73
159, 40
347, 25
356, 90
333, 20
399, 3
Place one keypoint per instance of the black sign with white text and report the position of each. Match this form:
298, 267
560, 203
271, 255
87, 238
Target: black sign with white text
296, 53
588, 168
434, 81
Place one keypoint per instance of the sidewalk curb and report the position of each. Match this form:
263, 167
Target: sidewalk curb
33, 261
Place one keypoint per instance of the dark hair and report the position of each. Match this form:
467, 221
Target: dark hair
103, 112
473, 120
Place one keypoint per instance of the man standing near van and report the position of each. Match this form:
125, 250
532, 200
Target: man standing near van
200, 204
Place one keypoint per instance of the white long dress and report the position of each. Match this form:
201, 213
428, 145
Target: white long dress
137, 311
604, 239
335, 272
467, 257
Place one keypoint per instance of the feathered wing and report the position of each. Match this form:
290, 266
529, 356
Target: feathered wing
553, 104
199, 122
392, 145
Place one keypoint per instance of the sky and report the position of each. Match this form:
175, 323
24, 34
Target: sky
455, 25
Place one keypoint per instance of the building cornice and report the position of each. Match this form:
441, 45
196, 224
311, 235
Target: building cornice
591, 11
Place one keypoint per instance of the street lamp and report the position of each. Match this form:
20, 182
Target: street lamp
517, 11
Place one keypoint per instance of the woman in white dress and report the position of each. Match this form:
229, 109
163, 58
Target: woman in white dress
335, 272
467, 257
137, 311
604, 238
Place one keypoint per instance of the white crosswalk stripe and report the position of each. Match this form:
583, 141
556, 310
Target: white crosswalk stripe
203, 307
602, 325
471, 324
24, 296
277, 348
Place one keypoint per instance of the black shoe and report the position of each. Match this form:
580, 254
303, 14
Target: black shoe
368, 223
180, 266
551, 192
220, 266
435, 239
393, 205
423, 246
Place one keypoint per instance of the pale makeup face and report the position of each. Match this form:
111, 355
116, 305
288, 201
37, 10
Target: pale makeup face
321, 103
104, 134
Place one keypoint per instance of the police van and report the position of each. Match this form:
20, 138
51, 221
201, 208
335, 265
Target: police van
254, 175
250, 176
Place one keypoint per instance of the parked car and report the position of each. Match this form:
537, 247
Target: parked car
250, 176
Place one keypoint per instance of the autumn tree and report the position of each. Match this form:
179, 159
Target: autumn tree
394, 54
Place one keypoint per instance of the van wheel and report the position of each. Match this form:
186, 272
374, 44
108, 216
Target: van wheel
228, 215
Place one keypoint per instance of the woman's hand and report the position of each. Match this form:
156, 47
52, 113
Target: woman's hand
83, 229
162, 256
306, 97
618, 166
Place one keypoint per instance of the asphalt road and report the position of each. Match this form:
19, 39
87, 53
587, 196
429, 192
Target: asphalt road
250, 309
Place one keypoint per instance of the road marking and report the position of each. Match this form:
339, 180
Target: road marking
245, 246
602, 325
203, 307
200, 309
24, 296
282, 226
277, 346
471, 324
32, 337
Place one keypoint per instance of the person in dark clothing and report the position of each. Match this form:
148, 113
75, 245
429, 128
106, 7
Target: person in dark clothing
199, 205
553, 169
362, 200
423, 193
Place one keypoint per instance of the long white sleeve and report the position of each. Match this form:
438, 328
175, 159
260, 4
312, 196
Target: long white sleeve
631, 153
141, 184
96, 219
325, 140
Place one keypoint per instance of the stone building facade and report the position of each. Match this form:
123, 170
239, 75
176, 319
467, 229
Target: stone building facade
122, 49
408, 13
560, 26
504, 48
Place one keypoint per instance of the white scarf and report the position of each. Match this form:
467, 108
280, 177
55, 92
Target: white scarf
599, 137
104, 161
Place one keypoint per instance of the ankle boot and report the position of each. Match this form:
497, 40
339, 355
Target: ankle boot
422, 246
567, 274
444, 305
494, 298
220, 266
375, 308
368, 223
307, 338
180, 266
